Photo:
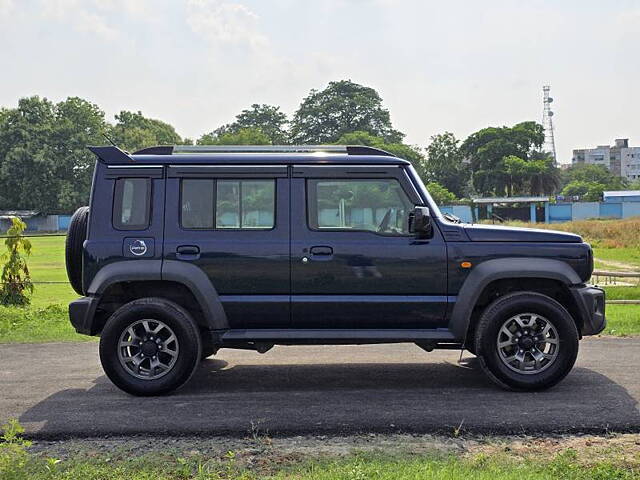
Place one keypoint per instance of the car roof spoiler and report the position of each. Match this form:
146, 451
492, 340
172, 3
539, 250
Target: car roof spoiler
111, 154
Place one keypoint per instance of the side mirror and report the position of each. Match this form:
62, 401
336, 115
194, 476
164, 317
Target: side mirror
420, 222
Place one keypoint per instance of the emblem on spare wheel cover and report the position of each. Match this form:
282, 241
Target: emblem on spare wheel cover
138, 248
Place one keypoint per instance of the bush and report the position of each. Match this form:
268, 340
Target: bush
15, 281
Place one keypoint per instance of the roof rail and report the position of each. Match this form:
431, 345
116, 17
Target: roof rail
344, 149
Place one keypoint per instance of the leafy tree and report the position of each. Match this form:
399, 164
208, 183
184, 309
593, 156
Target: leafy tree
445, 164
342, 107
266, 118
587, 191
244, 136
44, 163
133, 131
15, 280
487, 148
588, 173
440, 194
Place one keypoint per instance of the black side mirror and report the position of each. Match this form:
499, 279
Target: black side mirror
420, 222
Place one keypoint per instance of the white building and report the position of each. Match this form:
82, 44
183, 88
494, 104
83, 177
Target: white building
620, 158
630, 163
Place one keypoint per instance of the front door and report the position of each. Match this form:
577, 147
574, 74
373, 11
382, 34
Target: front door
233, 223
354, 263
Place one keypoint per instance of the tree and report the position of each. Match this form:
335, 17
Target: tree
445, 164
15, 280
587, 191
343, 107
440, 194
588, 173
244, 136
133, 131
266, 118
44, 163
487, 148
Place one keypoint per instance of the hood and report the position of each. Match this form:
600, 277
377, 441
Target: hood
493, 233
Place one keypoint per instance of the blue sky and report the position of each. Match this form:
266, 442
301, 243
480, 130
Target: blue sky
446, 65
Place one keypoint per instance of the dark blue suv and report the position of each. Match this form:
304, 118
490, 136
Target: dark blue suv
187, 250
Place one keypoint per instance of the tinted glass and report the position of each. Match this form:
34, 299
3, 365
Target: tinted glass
372, 205
245, 204
197, 203
131, 203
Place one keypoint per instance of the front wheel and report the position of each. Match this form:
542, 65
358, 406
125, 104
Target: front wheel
526, 341
150, 346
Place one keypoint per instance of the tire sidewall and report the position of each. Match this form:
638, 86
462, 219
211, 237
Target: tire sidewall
503, 309
183, 326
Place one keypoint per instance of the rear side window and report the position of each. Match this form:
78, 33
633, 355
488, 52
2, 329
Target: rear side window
131, 203
228, 204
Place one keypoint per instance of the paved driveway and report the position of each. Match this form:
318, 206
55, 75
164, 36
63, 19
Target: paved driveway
59, 390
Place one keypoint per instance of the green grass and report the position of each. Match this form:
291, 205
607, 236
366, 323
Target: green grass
623, 320
628, 256
622, 293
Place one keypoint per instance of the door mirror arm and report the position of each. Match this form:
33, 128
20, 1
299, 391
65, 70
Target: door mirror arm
420, 222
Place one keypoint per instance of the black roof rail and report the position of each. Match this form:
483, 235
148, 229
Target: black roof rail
344, 149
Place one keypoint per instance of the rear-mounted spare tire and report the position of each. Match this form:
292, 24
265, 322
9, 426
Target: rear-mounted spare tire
76, 235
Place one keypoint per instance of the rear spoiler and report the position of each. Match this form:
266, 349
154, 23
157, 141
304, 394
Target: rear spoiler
111, 154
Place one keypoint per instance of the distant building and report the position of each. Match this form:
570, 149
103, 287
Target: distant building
620, 159
619, 196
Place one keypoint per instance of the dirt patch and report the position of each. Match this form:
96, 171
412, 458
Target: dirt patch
258, 449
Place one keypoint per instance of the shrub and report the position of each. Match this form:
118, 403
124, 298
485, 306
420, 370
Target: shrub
15, 280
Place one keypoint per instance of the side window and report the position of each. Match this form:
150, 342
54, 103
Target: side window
376, 205
197, 203
228, 204
131, 203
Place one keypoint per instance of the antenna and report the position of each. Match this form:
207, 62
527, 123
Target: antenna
547, 123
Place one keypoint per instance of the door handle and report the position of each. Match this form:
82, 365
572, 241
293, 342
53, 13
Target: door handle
188, 252
321, 251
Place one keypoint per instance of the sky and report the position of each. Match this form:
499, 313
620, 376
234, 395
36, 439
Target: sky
439, 66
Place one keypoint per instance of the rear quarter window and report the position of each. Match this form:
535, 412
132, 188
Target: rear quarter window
131, 203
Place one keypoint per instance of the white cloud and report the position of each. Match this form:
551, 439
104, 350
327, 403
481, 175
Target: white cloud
225, 22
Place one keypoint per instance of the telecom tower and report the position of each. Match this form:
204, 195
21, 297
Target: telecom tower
547, 123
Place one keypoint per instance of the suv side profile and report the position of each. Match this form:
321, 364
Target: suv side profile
187, 250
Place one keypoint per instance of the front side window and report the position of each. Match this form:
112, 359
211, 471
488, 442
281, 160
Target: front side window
376, 205
131, 203
228, 204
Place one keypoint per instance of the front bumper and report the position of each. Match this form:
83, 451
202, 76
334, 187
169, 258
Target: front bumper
82, 313
590, 301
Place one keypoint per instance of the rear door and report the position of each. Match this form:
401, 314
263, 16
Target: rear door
233, 223
354, 263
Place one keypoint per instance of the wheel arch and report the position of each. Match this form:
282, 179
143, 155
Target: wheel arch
184, 284
506, 275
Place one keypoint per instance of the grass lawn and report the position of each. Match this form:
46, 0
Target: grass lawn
623, 255
46, 320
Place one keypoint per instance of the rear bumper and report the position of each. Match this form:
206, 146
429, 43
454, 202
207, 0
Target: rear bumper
82, 313
590, 302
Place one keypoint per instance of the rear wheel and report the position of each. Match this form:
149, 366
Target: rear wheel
526, 341
150, 346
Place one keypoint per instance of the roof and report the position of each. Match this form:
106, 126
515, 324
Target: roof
511, 200
622, 193
248, 155
7, 214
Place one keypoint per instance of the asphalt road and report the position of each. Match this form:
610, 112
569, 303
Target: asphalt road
59, 391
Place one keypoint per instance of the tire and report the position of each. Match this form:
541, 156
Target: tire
76, 235
514, 366
175, 360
